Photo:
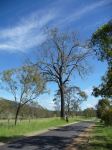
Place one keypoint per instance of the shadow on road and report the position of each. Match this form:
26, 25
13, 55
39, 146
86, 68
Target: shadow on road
41, 143
5, 139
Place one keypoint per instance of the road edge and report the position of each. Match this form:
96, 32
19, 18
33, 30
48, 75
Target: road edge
36, 133
82, 139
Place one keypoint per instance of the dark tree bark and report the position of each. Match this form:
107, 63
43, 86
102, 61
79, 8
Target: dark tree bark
17, 113
62, 101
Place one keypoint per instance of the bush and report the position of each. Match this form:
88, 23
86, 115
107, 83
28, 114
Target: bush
107, 117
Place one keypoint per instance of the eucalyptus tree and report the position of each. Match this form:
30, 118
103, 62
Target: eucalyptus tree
61, 57
101, 42
25, 84
74, 96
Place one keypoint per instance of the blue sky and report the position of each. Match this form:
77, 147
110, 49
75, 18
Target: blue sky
21, 32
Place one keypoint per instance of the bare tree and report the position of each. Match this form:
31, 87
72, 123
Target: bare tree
25, 84
60, 57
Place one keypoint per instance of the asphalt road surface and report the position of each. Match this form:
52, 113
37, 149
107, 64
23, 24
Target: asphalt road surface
56, 139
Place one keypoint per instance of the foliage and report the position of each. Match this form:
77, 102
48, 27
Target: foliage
89, 112
102, 107
105, 88
104, 111
101, 138
31, 110
6, 109
25, 84
107, 117
73, 96
102, 42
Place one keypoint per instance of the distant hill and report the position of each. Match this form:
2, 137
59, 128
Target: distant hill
33, 110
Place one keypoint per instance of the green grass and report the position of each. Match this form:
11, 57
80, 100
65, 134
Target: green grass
9, 131
101, 138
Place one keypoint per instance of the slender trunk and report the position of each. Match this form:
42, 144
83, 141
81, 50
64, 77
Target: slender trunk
17, 112
62, 102
68, 109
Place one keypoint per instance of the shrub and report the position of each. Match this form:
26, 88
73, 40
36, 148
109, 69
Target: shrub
107, 117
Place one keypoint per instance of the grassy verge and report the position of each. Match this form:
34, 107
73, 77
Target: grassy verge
9, 131
101, 138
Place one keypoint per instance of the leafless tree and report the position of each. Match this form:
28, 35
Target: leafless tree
61, 57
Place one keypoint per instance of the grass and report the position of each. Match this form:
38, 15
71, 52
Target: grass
9, 131
101, 138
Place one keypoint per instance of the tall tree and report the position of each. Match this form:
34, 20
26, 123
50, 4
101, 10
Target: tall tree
61, 57
25, 84
101, 42
75, 96
102, 106
104, 111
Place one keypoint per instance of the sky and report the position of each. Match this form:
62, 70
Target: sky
22, 24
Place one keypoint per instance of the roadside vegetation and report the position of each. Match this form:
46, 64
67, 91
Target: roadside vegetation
102, 44
24, 127
101, 138
101, 135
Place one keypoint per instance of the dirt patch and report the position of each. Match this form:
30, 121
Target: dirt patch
82, 141
1, 144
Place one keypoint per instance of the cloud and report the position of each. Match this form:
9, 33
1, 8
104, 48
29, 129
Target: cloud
82, 11
88, 91
51, 105
26, 34
90, 105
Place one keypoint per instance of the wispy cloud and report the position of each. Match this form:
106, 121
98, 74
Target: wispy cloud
80, 12
26, 34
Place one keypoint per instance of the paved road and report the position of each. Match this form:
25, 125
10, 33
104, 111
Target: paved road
56, 139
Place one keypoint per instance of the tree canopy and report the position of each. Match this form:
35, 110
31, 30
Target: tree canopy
74, 96
25, 84
101, 43
105, 88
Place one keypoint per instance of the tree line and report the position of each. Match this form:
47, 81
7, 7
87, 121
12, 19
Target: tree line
102, 44
29, 111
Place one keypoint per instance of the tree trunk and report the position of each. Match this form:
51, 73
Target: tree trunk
17, 112
68, 109
62, 115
